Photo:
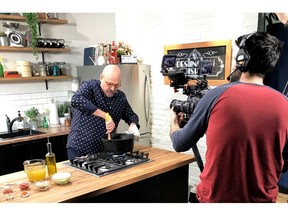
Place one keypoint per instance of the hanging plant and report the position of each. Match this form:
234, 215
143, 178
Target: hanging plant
32, 22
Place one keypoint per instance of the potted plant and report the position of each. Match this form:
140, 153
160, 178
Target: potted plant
62, 109
33, 25
32, 114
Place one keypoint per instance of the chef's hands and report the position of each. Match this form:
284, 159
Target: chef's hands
134, 130
110, 125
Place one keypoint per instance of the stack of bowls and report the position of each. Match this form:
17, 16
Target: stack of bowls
24, 68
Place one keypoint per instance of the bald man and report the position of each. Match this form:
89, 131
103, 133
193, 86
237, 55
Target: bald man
91, 103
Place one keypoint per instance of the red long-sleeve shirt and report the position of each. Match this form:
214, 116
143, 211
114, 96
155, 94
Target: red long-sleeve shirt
246, 128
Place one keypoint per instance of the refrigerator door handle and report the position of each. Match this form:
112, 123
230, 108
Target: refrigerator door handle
146, 101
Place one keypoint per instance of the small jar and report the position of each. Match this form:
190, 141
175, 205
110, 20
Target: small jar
55, 69
62, 68
67, 120
42, 69
35, 70
49, 70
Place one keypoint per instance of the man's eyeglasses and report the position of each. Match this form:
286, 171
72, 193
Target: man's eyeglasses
109, 84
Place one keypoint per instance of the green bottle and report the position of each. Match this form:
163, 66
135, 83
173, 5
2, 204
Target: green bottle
1, 69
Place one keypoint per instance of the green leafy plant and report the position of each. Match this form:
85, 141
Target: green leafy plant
33, 25
62, 108
32, 113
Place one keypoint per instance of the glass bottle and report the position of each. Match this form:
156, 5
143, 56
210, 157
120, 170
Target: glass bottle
45, 122
62, 68
50, 160
1, 70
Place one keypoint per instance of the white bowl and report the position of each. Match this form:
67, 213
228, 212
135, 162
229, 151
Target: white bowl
25, 71
23, 63
61, 178
42, 185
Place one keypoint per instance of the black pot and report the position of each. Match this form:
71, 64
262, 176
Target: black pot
120, 143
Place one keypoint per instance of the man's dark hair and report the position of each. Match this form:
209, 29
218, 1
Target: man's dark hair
264, 50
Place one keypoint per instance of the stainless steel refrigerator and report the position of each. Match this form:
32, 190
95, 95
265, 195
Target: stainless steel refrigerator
135, 82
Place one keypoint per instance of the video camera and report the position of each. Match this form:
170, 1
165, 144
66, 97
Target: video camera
180, 73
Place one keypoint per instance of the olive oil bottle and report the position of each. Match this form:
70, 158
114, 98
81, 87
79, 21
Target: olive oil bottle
50, 160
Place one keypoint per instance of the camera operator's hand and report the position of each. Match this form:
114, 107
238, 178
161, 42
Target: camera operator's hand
174, 124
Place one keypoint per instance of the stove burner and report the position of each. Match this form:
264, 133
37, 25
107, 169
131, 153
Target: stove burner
104, 168
129, 161
105, 163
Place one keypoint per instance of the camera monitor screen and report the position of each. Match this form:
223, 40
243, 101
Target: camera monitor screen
168, 61
205, 67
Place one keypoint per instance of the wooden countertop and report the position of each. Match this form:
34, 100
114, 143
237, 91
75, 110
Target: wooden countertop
49, 132
84, 185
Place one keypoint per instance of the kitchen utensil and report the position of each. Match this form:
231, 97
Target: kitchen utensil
107, 119
101, 60
119, 143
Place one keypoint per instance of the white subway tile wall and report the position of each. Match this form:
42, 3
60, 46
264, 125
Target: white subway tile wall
12, 103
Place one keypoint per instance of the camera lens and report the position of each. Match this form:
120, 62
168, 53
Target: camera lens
182, 106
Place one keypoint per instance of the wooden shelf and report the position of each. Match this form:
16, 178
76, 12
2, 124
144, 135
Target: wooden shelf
34, 78
19, 18
29, 49
41, 20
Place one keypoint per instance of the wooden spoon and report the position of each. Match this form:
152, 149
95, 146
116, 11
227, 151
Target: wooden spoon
107, 119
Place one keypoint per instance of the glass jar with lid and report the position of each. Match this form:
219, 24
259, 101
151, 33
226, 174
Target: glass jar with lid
55, 69
62, 68
42, 68
49, 70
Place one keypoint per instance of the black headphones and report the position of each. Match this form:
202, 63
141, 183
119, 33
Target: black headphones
243, 57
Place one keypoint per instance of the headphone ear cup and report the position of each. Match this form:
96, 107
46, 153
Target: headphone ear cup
242, 60
243, 57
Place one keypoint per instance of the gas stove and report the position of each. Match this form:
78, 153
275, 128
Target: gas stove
105, 163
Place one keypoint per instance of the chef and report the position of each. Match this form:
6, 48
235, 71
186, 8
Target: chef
99, 106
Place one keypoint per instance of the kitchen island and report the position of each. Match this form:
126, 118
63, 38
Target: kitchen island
163, 179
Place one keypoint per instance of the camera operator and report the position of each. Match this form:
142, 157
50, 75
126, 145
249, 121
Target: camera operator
246, 127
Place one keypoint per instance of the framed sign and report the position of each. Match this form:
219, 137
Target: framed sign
189, 55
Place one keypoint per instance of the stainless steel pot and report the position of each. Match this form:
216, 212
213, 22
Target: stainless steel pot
120, 143
4, 41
